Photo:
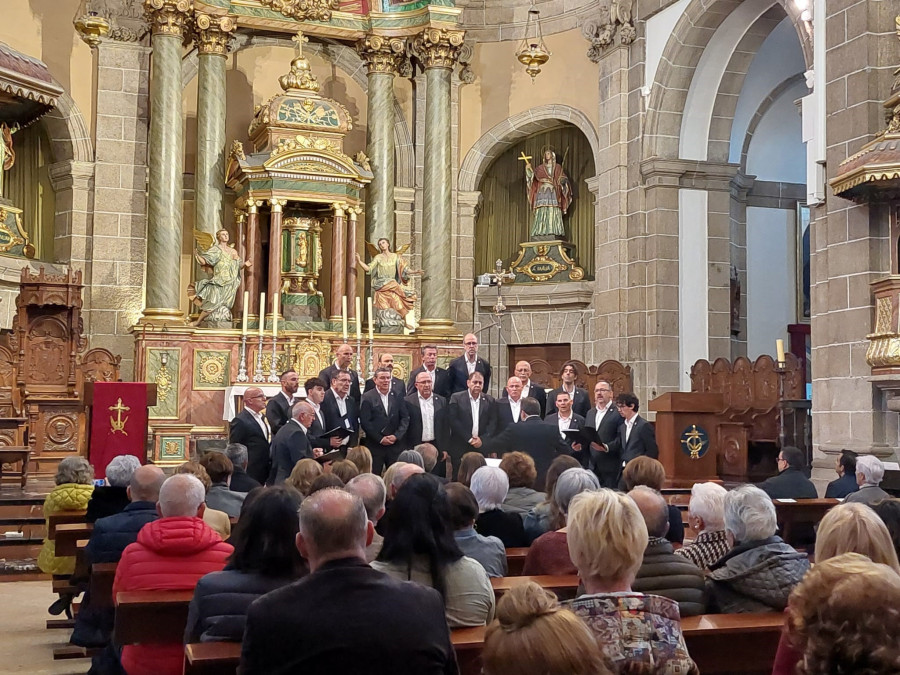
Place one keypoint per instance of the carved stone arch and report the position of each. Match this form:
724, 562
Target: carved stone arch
347, 60
763, 108
70, 139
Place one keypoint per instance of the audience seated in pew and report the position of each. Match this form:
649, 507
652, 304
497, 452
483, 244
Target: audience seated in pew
241, 481
171, 553
549, 553
111, 498
706, 517
217, 520
490, 485
489, 551
643, 470
303, 474
345, 617
412, 457
869, 472
534, 635
394, 478
220, 496
760, 571
371, 489
325, 481
889, 512
419, 546
845, 483
361, 457
468, 465
522, 497
265, 557
542, 518
662, 572
791, 481
637, 632
345, 470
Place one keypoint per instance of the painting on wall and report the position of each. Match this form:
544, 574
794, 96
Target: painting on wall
803, 294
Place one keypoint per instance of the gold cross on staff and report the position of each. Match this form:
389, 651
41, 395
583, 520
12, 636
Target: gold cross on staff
523, 157
299, 39
118, 424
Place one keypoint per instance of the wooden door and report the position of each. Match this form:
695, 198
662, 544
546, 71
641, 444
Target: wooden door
546, 361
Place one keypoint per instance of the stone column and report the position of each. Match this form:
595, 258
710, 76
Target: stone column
166, 154
382, 56
338, 256
254, 254
274, 254
438, 50
212, 35
353, 212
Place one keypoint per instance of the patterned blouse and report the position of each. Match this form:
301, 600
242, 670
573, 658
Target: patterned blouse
706, 549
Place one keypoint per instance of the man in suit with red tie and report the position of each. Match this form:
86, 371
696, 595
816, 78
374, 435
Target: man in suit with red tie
384, 418
251, 429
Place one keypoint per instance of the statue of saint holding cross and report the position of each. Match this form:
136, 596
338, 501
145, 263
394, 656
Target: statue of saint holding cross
549, 194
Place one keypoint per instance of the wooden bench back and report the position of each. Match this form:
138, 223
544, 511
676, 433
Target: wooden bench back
151, 617
63, 518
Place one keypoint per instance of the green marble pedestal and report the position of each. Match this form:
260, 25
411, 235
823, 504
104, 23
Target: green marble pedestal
546, 261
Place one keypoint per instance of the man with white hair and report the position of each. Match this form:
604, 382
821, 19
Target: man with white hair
706, 517
371, 489
303, 627
291, 443
171, 553
112, 498
490, 485
760, 571
402, 474
241, 481
869, 472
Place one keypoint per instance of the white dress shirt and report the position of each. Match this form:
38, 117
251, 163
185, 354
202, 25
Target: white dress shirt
564, 423
476, 406
385, 401
427, 407
341, 404
570, 393
516, 409
601, 413
432, 374
629, 425
319, 416
470, 365
263, 424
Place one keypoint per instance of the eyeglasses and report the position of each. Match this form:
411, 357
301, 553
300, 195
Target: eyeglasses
253, 397
470, 344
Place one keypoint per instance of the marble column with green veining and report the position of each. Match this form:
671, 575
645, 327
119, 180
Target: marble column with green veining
438, 51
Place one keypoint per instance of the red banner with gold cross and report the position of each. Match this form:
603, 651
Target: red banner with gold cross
118, 423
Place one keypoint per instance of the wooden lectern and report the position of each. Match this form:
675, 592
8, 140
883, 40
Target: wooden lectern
686, 433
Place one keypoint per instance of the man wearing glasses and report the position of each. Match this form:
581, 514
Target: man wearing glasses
251, 429
605, 418
341, 410
461, 367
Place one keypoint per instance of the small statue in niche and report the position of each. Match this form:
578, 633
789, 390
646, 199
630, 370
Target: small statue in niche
392, 297
215, 295
549, 194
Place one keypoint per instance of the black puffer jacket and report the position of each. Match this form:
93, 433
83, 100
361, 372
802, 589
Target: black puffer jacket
671, 576
112, 534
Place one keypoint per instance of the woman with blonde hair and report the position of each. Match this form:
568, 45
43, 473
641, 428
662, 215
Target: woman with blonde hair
534, 635
304, 473
345, 470
361, 456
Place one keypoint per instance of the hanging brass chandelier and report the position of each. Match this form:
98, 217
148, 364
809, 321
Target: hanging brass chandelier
532, 52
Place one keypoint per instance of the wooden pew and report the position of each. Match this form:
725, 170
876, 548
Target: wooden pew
67, 535
468, 643
101, 582
61, 518
793, 515
151, 617
564, 586
728, 644
212, 658
61, 586
515, 561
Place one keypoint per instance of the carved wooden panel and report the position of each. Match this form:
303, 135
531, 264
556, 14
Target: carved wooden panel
46, 356
100, 365
617, 374
742, 384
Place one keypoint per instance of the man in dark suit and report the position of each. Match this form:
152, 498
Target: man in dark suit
397, 386
472, 419
427, 415
384, 418
315, 394
461, 367
791, 481
251, 429
240, 480
278, 409
533, 437
564, 418
636, 436
581, 402
302, 627
846, 483
291, 443
605, 418
343, 358
529, 388
341, 410
440, 378
509, 407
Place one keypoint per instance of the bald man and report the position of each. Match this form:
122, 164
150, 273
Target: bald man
461, 367
529, 388
509, 408
251, 429
291, 443
387, 361
343, 358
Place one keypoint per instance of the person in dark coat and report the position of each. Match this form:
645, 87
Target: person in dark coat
251, 429
533, 437
440, 378
385, 419
466, 432
315, 395
291, 443
278, 408
565, 418
508, 409
605, 418
341, 409
462, 366
636, 435
428, 421
581, 402
490, 485
529, 388
397, 385
791, 481
343, 357
265, 558
304, 627
112, 498
846, 481
240, 480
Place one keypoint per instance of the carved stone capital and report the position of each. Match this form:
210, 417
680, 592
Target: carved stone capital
212, 33
601, 30
382, 54
168, 17
438, 48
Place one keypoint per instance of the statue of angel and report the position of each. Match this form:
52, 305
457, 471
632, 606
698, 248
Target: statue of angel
392, 298
215, 295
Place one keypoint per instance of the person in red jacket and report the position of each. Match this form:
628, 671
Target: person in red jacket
171, 553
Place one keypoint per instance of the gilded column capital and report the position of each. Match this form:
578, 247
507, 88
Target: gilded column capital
239, 216
438, 48
212, 33
339, 209
277, 204
353, 212
382, 54
168, 17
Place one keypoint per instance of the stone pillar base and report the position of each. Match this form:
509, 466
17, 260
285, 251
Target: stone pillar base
156, 315
437, 328
546, 261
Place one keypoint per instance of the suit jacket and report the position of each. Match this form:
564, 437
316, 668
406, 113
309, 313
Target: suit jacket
604, 464
642, 441
789, 484
289, 446
504, 414
397, 386
460, 414
245, 430
327, 373
334, 419
316, 429
577, 422
441, 422
302, 627
533, 437
838, 488
441, 382
377, 423
581, 404
278, 412
459, 374
536, 392
241, 481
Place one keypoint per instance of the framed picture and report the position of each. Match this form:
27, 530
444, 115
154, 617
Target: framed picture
803, 270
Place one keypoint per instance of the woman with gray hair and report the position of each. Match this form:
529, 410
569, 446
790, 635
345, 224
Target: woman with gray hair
706, 517
869, 472
760, 571
549, 554
112, 497
490, 484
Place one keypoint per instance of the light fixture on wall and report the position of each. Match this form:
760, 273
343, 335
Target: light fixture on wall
532, 52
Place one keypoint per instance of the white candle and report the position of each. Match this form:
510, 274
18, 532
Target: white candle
359, 318
371, 319
276, 305
779, 349
262, 312
344, 316
246, 311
